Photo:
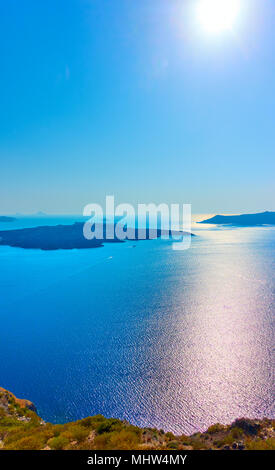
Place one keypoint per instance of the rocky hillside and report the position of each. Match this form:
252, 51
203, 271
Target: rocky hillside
22, 428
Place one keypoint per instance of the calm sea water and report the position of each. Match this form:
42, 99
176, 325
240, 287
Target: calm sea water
170, 339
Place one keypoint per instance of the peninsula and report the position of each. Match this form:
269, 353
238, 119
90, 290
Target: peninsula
5, 218
245, 220
68, 237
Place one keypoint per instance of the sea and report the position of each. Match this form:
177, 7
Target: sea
176, 340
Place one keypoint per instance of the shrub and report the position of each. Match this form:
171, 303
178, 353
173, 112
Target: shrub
78, 433
58, 443
198, 444
92, 421
227, 440
57, 429
259, 444
170, 436
247, 425
86, 422
109, 425
173, 445
215, 428
124, 440
185, 439
101, 442
236, 433
27, 443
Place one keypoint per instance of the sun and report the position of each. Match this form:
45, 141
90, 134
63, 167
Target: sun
216, 16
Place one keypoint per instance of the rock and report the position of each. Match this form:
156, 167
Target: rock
24, 419
22, 403
241, 446
91, 436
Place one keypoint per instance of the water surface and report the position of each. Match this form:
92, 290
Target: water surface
173, 339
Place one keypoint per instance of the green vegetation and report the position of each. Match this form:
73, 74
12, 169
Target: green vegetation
22, 428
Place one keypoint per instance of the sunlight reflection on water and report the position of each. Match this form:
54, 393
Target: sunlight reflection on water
176, 340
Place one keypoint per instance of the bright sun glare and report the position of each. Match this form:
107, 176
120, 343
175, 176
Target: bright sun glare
218, 15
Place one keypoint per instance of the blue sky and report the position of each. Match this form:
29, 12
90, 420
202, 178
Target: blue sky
133, 98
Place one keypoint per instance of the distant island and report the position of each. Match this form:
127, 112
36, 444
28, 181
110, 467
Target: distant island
22, 429
66, 237
245, 220
40, 214
5, 218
